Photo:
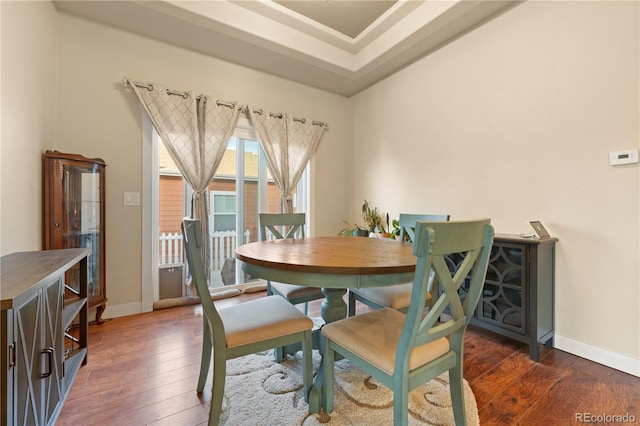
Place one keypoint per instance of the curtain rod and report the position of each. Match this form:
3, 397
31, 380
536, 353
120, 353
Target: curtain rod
243, 108
298, 119
184, 95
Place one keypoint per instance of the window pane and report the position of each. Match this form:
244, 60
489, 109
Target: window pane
251, 186
224, 203
224, 222
222, 214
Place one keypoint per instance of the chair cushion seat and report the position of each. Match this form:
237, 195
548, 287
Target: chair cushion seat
262, 319
394, 296
292, 291
374, 336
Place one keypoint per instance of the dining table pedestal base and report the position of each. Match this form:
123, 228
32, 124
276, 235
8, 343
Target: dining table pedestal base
333, 306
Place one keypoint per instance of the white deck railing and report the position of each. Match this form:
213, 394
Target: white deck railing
170, 248
223, 245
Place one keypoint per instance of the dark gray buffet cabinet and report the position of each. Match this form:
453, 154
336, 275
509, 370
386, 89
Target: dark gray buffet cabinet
43, 333
518, 294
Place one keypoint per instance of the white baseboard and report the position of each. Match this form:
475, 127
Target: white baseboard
115, 311
601, 356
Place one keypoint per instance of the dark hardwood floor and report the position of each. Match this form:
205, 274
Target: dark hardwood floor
142, 369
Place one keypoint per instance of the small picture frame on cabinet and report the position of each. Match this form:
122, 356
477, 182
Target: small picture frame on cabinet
539, 229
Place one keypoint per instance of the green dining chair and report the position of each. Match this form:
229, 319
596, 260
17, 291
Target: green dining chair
394, 296
281, 226
242, 329
404, 351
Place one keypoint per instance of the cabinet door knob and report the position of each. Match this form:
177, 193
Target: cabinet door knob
57, 225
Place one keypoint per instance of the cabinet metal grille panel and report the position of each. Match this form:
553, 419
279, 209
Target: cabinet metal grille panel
503, 298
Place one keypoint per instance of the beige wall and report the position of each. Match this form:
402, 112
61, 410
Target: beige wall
28, 118
515, 121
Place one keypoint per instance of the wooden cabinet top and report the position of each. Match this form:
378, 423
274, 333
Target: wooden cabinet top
72, 157
515, 238
24, 273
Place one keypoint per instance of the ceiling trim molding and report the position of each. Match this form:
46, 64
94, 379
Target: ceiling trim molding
269, 37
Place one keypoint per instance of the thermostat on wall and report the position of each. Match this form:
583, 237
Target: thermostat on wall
623, 157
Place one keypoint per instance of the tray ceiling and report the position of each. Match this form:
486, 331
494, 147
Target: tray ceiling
345, 16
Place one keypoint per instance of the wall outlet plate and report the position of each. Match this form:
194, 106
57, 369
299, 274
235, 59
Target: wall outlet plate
629, 156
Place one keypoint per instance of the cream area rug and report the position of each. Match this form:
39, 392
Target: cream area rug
260, 391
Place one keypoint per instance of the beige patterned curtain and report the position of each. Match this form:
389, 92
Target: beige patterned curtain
288, 143
196, 131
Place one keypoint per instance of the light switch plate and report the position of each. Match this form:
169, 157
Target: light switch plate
131, 198
623, 157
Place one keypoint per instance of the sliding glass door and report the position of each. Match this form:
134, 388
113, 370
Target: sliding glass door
242, 187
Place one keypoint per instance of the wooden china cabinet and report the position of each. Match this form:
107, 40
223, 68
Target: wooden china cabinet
74, 216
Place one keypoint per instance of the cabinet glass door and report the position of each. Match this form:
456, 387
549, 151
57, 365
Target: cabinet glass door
82, 222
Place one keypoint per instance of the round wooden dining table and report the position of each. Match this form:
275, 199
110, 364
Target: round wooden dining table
333, 263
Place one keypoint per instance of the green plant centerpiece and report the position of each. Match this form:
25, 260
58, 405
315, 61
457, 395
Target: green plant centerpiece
353, 231
373, 219
373, 224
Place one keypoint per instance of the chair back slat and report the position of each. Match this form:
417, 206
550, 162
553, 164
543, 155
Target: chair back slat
433, 243
192, 236
407, 223
281, 225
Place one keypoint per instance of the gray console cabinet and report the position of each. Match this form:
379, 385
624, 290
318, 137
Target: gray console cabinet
517, 299
43, 334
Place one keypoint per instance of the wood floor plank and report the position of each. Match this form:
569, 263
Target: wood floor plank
607, 381
507, 406
124, 380
103, 406
198, 414
486, 351
581, 384
504, 374
157, 411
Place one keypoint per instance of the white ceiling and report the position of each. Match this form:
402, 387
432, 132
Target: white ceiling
339, 46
